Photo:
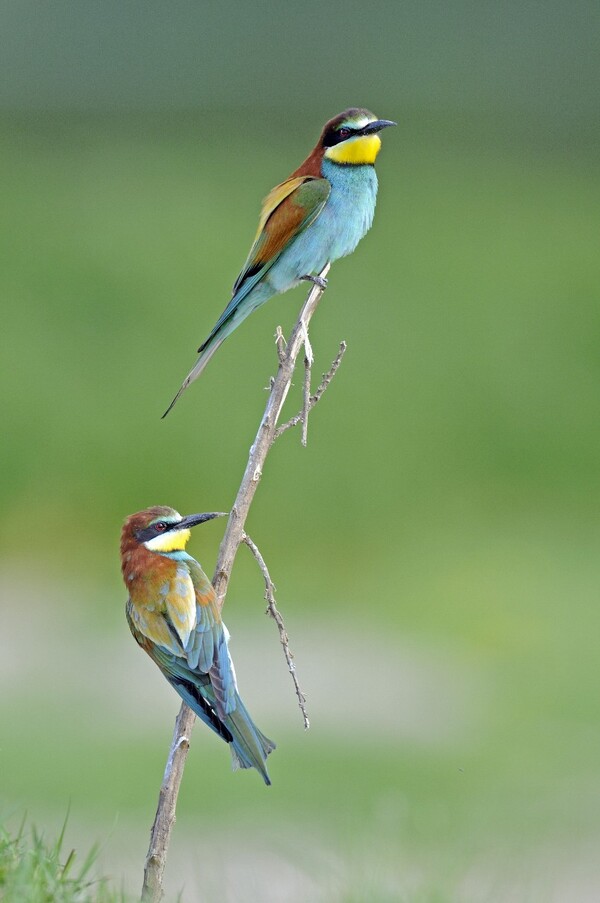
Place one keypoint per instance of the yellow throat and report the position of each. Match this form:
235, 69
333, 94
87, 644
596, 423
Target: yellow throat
173, 541
360, 150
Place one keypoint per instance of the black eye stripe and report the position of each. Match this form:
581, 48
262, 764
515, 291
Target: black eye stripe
152, 531
333, 137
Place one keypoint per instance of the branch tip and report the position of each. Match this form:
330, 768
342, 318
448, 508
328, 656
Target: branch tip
274, 612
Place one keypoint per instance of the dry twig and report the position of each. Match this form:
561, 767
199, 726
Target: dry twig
302, 416
306, 399
280, 343
234, 533
277, 617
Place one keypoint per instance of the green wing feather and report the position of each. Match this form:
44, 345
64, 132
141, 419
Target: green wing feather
197, 663
287, 210
284, 216
286, 213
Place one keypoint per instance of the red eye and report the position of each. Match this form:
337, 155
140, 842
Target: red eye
161, 527
344, 133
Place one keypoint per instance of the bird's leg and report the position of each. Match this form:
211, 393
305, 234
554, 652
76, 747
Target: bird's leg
321, 281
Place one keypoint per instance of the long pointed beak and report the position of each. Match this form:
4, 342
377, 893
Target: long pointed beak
376, 126
193, 519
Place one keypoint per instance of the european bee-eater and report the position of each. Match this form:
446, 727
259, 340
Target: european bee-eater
173, 614
318, 214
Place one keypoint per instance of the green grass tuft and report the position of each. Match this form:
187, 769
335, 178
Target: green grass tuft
36, 870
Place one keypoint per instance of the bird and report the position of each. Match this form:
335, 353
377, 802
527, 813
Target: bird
318, 214
173, 614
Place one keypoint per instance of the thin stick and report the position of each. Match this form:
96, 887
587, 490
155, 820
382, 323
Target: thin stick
280, 343
263, 441
314, 399
305, 400
164, 820
278, 618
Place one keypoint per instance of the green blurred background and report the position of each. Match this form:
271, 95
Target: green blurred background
434, 547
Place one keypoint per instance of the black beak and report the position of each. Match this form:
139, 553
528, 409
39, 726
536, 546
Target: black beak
376, 126
193, 519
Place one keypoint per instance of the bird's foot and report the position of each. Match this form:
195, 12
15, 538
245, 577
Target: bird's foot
321, 281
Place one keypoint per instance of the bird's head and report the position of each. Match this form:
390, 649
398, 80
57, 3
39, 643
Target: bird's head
161, 529
351, 137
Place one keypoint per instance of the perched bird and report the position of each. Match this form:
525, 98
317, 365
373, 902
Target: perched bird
318, 214
173, 614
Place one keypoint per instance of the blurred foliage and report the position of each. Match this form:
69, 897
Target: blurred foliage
38, 871
446, 502
509, 56
470, 313
434, 547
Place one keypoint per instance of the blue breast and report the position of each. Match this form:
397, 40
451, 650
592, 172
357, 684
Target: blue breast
345, 219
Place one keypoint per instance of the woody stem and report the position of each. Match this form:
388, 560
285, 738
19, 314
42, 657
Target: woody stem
160, 834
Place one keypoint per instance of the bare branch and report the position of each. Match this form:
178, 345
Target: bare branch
306, 399
280, 343
165, 814
278, 618
314, 399
164, 819
263, 441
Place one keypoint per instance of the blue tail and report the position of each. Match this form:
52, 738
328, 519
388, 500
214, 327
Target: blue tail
249, 746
